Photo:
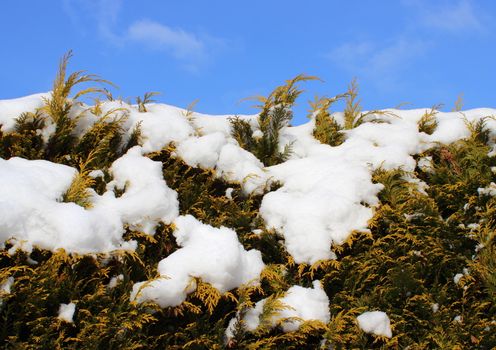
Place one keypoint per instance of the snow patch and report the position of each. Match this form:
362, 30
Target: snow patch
66, 312
202, 151
488, 191
32, 214
11, 109
240, 166
320, 203
212, 254
305, 304
375, 322
114, 281
6, 286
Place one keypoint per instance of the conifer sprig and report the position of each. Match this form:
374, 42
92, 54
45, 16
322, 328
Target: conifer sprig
353, 114
327, 130
428, 122
147, 98
275, 114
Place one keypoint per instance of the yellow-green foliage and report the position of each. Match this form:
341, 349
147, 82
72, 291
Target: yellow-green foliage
484, 266
25, 141
458, 103
188, 113
147, 98
327, 130
275, 114
417, 243
78, 191
428, 123
58, 106
353, 114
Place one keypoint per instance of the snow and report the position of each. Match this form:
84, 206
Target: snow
208, 124
212, 254
7, 285
147, 200
257, 134
229, 192
459, 276
114, 281
240, 166
325, 194
31, 211
203, 141
489, 190
435, 307
202, 151
425, 164
160, 126
302, 304
96, 174
66, 312
319, 204
11, 109
375, 322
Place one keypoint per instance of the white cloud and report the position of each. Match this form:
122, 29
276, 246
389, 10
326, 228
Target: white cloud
179, 43
192, 50
107, 14
384, 61
450, 16
104, 13
372, 60
397, 56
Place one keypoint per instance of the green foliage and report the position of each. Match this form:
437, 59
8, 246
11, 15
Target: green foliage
458, 103
275, 114
188, 114
58, 106
353, 115
202, 194
26, 140
479, 132
327, 130
103, 142
417, 243
104, 318
428, 123
147, 98
78, 191
484, 266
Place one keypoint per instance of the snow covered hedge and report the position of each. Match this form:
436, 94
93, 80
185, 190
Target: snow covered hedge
148, 227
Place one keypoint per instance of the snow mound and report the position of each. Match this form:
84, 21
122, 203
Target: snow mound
212, 254
326, 192
302, 304
200, 140
12, 109
66, 312
147, 200
240, 166
375, 322
202, 151
31, 211
320, 203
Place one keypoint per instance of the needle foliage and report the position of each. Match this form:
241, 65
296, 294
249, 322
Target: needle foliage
405, 265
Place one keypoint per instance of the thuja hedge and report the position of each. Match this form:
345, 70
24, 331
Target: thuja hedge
404, 266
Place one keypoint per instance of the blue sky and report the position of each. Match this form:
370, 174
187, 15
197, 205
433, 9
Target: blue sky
416, 51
